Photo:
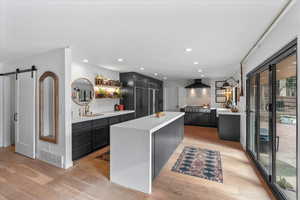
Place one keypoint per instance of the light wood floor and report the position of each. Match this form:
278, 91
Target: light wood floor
23, 178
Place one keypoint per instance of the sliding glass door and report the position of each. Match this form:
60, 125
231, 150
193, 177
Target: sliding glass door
272, 121
286, 127
264, 138
252, 87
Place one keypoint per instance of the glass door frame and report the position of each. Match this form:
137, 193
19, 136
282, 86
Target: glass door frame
265, 173
270, 64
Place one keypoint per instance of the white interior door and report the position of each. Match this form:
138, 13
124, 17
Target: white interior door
25, 114
172, 103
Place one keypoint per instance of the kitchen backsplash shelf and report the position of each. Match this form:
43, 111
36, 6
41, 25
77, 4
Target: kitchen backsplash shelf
106, 88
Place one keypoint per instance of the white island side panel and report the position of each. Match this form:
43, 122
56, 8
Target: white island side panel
130, 158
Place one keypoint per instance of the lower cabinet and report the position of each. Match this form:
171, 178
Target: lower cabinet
100, 137
229, 127
208, 119
164, 143
127, 117
92, 135
81, 139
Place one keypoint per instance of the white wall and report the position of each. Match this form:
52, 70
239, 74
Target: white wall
192, 97
1, 113
198, 96
170, 99
57, 61
79, 70
5, 114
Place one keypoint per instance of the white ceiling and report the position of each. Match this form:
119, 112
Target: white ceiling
150, 34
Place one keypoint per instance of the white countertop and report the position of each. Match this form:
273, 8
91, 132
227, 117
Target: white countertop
105, 115
229, 113
226, 111
151, 123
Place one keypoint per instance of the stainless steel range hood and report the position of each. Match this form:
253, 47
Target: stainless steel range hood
198, 84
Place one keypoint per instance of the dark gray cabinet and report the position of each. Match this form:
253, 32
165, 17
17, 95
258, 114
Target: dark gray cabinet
208, 119
136, 93
92, 135
100, 133
127, 117
114, 120
142, 101
229, 127
81, 139
164, 142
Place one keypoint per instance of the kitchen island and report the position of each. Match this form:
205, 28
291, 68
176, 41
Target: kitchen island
141, 147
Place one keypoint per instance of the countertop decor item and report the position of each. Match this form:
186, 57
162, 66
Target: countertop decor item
121, 107
234, 110
116, 107
159, 114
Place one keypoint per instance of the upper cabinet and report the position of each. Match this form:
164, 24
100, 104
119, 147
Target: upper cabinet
133, 79
138, 87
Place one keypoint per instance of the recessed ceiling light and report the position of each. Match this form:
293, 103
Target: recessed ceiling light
202, 75
188, 49
85, 60
120, 59
142, 68
199, 70
196, 63
155, 74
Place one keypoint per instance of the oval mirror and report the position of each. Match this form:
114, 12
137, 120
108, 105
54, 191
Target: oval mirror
82, 91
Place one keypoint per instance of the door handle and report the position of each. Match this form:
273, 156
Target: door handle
15, 117
268, 107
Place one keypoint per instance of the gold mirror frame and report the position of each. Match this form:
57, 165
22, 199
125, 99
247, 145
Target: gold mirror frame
55, 106
93, 92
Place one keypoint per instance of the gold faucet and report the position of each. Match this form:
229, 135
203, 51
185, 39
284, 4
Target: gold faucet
86, 109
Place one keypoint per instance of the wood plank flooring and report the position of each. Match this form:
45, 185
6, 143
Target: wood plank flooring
23, 179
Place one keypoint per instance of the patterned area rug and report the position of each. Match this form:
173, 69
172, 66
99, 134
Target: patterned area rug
105, 156
201, 163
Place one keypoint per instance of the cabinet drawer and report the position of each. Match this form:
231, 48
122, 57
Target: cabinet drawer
78, 132
81, 126
114, 120
127, 117
100, 123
